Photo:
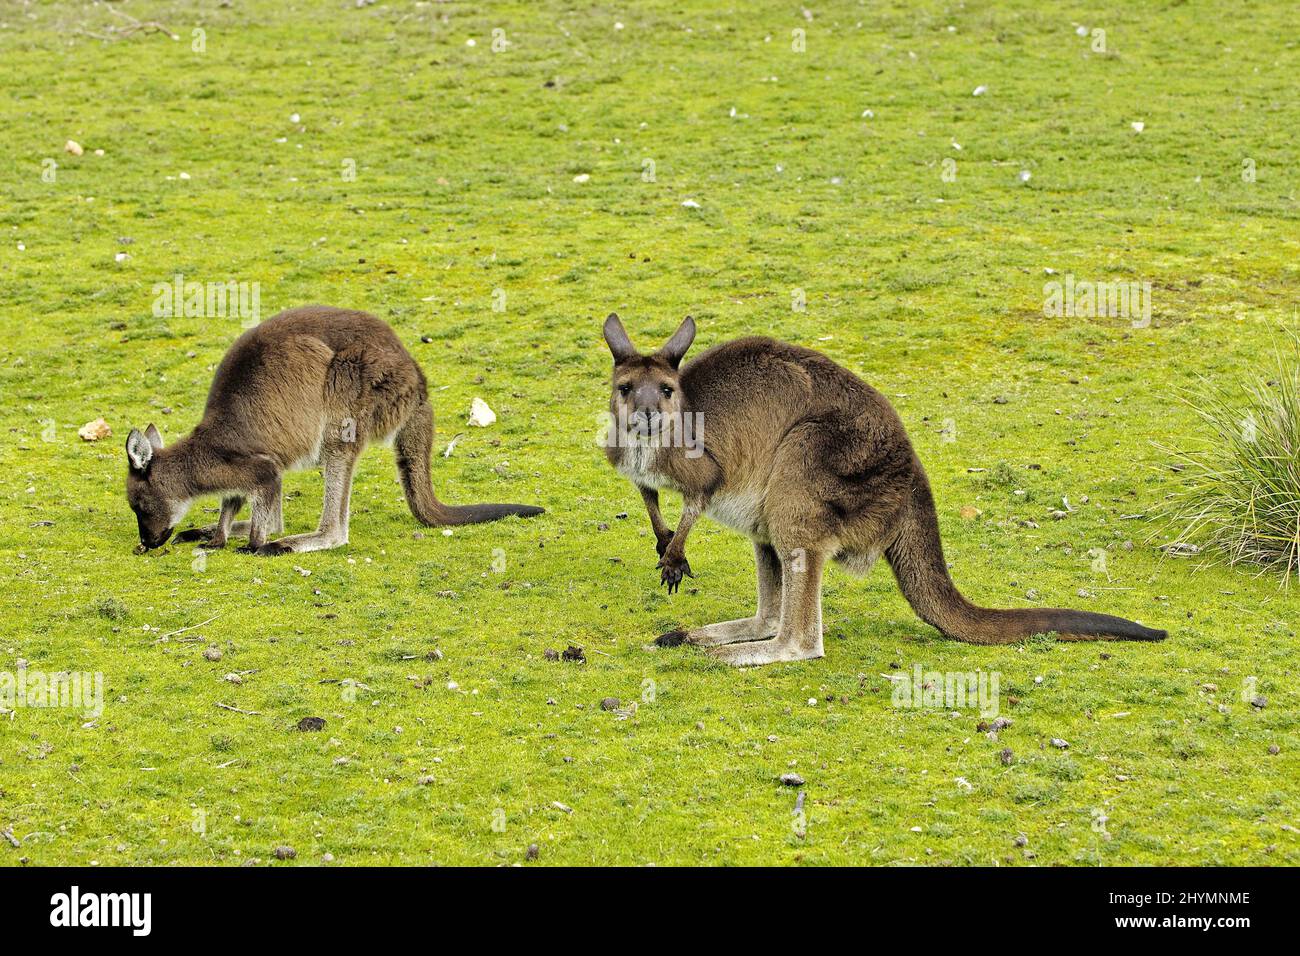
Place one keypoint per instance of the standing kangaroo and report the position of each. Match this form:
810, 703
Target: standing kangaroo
812, 464
310, 386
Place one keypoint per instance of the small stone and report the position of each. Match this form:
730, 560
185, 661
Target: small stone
425, 780
575, 654
1007, 757
73, 147
285, 853
1059, 744
791, 780
533, 851
609, 703
1274, 749
327, 858
94, 431
480, 415
551, 655
311, 724
1021, 840
233, 679
1259, 703
212, 653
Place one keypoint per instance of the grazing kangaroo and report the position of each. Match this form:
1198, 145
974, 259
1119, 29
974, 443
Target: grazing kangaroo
310, 386
812, 464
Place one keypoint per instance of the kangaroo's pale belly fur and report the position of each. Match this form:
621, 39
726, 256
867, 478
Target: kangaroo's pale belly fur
741, 511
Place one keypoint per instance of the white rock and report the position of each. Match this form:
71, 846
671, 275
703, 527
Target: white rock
582, 177
94, 431
980, 90
1139, 126
73, 147
691, 204
480, 415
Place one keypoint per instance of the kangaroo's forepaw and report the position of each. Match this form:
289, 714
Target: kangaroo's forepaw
661, 544
671, 639
673, 570
273, 548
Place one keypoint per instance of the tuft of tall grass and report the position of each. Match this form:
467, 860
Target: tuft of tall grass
1241, 481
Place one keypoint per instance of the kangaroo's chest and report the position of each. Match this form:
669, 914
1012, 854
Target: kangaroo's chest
640, 464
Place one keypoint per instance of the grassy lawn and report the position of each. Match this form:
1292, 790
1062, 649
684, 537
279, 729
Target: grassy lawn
494, 206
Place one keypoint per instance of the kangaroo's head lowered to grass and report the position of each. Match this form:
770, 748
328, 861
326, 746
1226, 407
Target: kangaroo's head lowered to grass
157, 506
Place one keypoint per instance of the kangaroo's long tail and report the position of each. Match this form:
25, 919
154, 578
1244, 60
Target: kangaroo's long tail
916, 557
414, 446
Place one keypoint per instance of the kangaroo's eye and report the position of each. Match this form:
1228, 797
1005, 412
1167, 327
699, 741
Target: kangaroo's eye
667, 390
624, 389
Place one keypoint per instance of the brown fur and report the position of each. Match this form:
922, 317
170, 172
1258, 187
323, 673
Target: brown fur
309, 386
814, 465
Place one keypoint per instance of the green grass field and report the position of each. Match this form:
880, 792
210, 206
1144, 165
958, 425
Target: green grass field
437, 184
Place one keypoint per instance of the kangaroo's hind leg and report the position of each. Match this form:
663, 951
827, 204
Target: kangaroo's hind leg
799, 635
338, 459
761, 626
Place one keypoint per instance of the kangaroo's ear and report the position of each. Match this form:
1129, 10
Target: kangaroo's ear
675, 348
620, 346
139, 450
154, 437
